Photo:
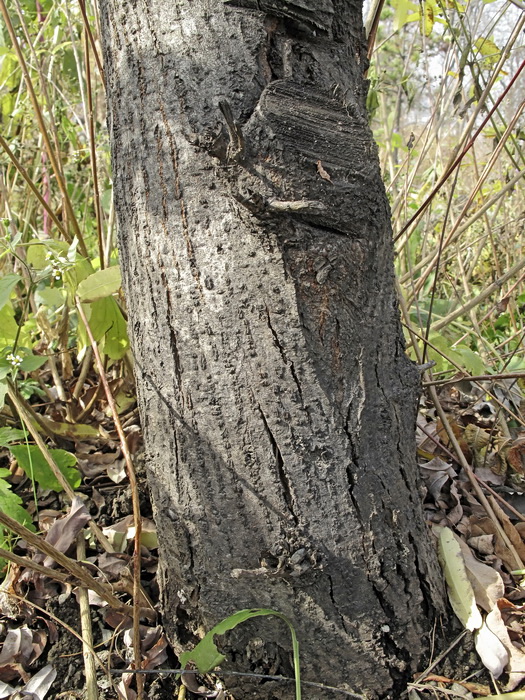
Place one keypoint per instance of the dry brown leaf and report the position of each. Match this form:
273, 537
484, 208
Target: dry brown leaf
16, 654
486, 582
63, 533
157, 654
510, 530
485, 526
191, 682
489, 646
516, 664
40, 683
515, 455
113, 564
484, 544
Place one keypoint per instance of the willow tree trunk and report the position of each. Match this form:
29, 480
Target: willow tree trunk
277, 403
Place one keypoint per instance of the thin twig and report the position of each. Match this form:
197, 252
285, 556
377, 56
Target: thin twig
237, 674
90, 670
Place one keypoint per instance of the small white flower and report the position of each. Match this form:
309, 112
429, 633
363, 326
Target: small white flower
15, 360
57, 274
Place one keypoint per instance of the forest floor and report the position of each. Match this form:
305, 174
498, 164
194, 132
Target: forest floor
475, 503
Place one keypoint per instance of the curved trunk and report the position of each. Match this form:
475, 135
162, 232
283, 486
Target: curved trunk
277, 403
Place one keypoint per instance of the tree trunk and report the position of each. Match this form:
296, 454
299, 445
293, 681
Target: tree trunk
277, 403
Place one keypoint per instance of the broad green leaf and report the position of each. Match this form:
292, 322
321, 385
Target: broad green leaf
36, 256
109, 327
50, 297
397, 140
8, 326
100, 284
32, 461
32, 362
9, 80
472, 362
460, 593
10, 435
443, 352
372, 102
7, 284
517, 364
74, 275
10, 503
116, 341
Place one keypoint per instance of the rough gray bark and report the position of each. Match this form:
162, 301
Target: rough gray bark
277, 403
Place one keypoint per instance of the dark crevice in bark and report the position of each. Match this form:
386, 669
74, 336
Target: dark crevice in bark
173, 337
351, 487
176, 357
282, 351
428, 601
351, 467
276, 338
334, 603
279, 465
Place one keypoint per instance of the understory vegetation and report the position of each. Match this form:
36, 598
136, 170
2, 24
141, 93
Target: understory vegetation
446, 107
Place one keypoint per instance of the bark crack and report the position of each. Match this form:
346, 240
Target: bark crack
284, 356
173, 337
336, 607
279, 465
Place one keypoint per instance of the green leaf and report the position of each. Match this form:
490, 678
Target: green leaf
36, 255
32, 461
472, 362
403, 8
460, 592
10, 435
488, 49
32, 362
109, 327
8, 326
10, 503
100, 284
50, 296
426, 18
442, 352
7, 284
205, 655
73, 276
3, 392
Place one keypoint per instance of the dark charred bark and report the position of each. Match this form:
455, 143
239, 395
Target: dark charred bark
277, 402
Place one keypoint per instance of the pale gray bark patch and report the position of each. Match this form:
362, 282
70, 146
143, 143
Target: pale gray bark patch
277, 403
